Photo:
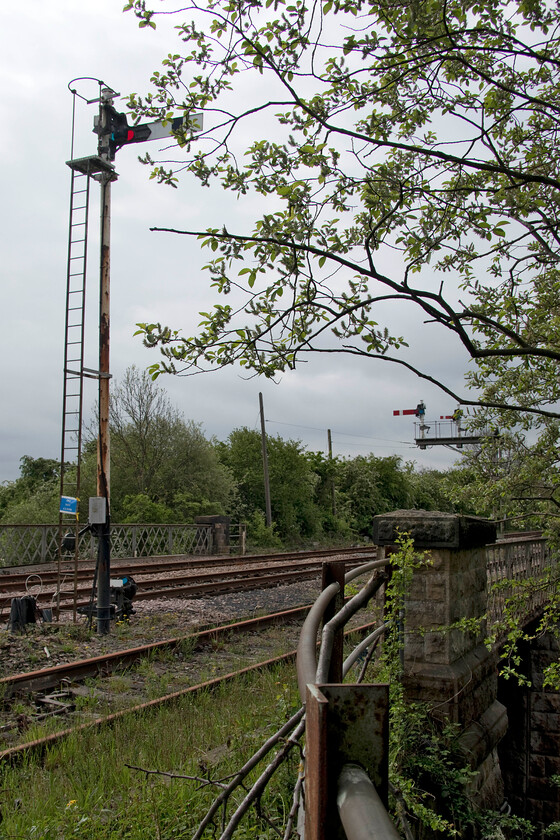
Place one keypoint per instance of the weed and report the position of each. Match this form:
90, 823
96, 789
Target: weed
84, 789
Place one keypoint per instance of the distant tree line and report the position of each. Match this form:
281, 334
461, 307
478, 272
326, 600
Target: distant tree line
164, 469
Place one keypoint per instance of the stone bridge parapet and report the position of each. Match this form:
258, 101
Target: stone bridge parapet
450, 668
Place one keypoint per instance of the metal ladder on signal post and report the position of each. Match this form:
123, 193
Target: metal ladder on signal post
83, 170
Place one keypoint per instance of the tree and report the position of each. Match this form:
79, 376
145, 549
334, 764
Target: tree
368, 485
292, 482
34, 496
157, 457
512, 480
414, 161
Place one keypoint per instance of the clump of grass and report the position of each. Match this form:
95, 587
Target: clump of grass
83, 787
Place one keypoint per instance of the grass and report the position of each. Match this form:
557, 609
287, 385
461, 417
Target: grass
82, 787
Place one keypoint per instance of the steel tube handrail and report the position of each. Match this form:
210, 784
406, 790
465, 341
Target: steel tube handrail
338, 621
306, 661
307, 645
367, 567
362, 813
365, 643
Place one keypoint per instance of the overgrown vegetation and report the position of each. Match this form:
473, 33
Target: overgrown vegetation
432, 782
87, 786
184, 762
164, 469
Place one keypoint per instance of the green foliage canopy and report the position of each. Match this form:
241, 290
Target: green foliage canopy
409, 155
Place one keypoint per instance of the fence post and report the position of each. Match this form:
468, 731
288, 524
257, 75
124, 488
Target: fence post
220, 532
345, 724
334, 573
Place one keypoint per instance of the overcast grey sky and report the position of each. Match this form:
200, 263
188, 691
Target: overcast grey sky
154, 276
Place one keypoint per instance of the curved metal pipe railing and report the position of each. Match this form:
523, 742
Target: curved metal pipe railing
307, 646
362, 813
361, 810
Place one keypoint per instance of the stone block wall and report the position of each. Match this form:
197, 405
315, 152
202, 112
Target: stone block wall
452, 670
530, 753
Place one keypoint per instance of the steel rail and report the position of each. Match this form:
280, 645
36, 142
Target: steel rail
195, 583
134, 568
187, 560
49, 678
39, 745
214, 584
213, 572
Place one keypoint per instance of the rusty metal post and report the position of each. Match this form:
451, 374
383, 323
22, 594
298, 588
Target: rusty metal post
334, 573
345, 724
103, 446
316, 777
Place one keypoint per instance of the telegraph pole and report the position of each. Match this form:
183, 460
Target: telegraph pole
333, 495
265, 466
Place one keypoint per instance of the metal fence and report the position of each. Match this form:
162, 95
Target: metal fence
517, 560
23, 545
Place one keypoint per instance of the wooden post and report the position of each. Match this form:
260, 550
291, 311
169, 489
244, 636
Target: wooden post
265, 466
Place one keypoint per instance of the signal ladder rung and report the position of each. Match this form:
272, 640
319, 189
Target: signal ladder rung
74, 331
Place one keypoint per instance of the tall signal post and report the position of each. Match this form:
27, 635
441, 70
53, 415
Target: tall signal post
106, 177
113, 132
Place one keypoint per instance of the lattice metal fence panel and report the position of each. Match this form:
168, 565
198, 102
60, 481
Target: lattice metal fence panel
148, 540
516, 560
22, 545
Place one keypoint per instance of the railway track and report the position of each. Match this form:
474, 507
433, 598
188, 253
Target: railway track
47, 679
40, 685
172, 576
